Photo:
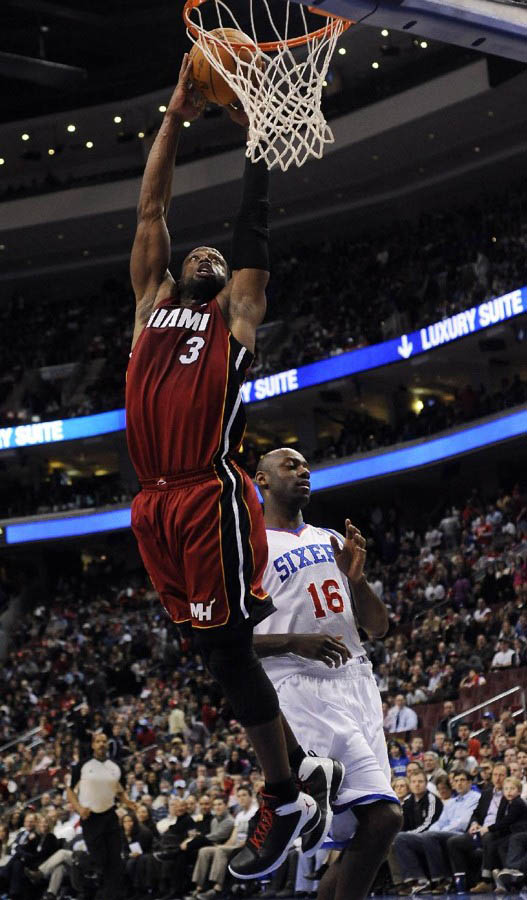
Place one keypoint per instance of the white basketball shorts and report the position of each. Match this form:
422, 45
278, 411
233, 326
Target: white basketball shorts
341, 716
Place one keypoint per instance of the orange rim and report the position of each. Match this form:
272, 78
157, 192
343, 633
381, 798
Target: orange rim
268, 46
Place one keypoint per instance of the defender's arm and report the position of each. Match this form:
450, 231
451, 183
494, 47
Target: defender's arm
329, 649
151, 249
372, 614
246, 301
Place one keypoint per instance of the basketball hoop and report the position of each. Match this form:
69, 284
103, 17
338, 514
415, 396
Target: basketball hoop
280, 95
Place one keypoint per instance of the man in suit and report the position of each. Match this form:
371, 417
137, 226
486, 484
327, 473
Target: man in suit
464, 849
23, 852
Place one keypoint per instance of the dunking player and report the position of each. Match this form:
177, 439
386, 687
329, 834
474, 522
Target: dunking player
197, 520
318, 665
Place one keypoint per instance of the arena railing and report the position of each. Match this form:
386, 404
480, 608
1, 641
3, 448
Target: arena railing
486, 703
20, 738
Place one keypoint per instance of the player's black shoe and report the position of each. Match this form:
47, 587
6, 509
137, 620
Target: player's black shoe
272, 831
321, 778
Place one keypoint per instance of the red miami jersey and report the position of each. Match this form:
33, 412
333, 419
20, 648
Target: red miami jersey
183, 404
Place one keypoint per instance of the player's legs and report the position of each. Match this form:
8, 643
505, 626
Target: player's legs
353, 875
149, 510
220, 549
329, 716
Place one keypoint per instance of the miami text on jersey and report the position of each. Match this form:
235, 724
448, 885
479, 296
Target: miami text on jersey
301, 557
182, 317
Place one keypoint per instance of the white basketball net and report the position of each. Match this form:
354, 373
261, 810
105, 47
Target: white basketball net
281, 96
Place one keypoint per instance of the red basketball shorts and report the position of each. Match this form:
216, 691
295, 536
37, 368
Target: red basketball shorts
202, 539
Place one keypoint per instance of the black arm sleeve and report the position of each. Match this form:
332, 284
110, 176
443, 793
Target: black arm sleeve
250, 241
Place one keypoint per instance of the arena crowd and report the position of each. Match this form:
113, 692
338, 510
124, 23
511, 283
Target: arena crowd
103, 656
326, 299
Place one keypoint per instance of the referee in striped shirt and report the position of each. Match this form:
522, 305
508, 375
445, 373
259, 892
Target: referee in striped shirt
95, 786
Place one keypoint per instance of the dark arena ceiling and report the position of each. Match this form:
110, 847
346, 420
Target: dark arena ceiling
117, 49
126, 47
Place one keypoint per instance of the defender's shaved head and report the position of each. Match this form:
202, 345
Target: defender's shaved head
283, 478
269, 460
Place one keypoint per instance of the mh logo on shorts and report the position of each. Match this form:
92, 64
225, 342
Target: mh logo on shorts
201, 611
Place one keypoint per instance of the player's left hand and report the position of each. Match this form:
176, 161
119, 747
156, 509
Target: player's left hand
351, 557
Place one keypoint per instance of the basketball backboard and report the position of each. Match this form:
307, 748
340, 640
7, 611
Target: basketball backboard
492, 26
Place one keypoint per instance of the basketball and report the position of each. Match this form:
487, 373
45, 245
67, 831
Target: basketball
210, 82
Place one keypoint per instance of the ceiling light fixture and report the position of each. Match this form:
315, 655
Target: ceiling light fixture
375, 65
186, 124
117, 120
89, 144
51, 152
423, 45
140, 134
162, 108
25, 136
342, 51
385, 32
71, 128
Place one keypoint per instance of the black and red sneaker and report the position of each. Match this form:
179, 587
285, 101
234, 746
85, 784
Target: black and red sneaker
321, 778
272, 831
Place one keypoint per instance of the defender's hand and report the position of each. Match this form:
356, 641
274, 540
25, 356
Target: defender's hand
186, 101
350, 558
84, 812
330, 650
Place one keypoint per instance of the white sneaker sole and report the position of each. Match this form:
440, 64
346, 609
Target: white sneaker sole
334, 781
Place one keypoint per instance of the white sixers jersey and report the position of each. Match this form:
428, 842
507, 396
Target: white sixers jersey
311, 595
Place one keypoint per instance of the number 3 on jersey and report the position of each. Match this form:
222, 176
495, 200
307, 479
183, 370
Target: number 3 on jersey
332, 597
196, 344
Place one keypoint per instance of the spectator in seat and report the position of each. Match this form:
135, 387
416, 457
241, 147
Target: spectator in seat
444, 790
23, 853
473, 679
515, 872
461, 755
463, 734
504, 656
484, 775
432, 769
449, 712
421, 808
212, 861
463, 849
400, 717
500, 746
401, 786
496, 838
420, 856
397, 758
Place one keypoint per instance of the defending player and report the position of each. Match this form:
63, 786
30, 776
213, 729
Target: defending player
318, 665
197, 519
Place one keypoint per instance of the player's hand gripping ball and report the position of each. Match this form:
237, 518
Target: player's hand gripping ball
209, 82
186, 101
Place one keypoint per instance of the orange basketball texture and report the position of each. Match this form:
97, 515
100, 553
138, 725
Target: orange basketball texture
206, 79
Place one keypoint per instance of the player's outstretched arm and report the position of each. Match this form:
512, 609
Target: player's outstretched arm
151, 249
250, 256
